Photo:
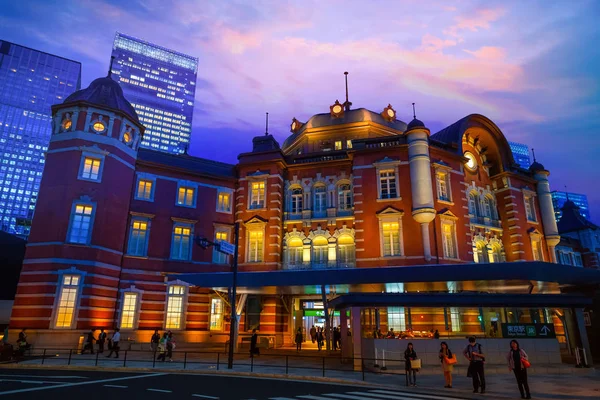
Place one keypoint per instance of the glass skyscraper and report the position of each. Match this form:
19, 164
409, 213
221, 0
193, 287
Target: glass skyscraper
30, 82
521, 154
161, 85
580, 200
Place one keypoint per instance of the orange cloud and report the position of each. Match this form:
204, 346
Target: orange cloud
481, 19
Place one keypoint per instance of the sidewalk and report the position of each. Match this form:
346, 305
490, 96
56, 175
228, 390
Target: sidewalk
561, 383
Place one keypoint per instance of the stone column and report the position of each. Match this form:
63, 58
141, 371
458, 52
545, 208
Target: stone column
355, 330
547, 211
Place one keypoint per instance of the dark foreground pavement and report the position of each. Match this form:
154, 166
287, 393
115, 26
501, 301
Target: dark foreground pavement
90, 385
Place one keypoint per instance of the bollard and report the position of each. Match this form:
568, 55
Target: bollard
252, 364
97, 354
43, 356
70, 353
362, 367
154, 359
184, 359
323, 366
125, 359
286, 364
218, 358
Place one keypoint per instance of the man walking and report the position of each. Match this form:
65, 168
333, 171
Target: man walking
101, 340
116, 337
313, 334
253, 344
154, 341
476, 358
89, 342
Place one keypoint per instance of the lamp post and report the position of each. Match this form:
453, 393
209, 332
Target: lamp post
205, 243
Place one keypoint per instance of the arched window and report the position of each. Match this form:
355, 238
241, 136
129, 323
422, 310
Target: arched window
344, 197
346, 250
320, 203
497, 255
487, 207
473, 200
296, 201
320, 250
481, 253
294, 249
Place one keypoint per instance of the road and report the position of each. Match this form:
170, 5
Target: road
91, 385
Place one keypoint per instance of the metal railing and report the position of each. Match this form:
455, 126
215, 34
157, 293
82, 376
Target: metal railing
295, 364
485, 221
319, 265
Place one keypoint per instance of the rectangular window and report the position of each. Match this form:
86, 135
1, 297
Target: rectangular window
81, 224
338, 144
175, 307
219, 257
182, 239
91, 168
224, 202
257, 194
537, 251
67, 301
530, 208
449, 241
349, 143
128, 311
144, 190
186, 196
320, 200
455, 319
387, 180
391, 238
442, 186
253, 310
255, 246
216, 315
396, 319
138, 238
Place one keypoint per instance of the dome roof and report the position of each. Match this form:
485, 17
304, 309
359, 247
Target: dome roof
536, 166
105, 92
415, 123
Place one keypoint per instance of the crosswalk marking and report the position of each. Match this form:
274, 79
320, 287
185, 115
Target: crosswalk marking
346, 396
387, 394
369, 395
280, 398
314, 397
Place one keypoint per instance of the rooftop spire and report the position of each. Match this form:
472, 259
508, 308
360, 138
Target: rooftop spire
347, 103
112, 59
267, 124
414, 113
566, 193
533, 152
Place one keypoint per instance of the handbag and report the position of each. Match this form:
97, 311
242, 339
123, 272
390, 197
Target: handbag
415, 364
452, 360
525, 363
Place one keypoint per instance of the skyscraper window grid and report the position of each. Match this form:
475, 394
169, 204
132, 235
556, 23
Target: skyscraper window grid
30, 82
160, 84
559, 198
521, 154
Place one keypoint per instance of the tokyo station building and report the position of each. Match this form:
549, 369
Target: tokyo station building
357, 211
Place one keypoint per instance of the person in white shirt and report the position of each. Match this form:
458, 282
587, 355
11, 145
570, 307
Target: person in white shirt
114, 344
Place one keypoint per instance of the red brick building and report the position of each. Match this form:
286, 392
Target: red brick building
349, 188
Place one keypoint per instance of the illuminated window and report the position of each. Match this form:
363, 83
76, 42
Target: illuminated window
481, 253
99, 126
320, 251
255, 246
349, 143
473, 201
536, 247
346, 250
224, 202
530, 207
387, 181
338, 145
91, 169
257, 194
145, 190
344, 197
175, 300
129, 310
455, 319
127, 137
396, 319
391, 238
81, 223
216, 315
449, 239
67, 301
186, 196
67, 124
320, 199
181, 244
294, 251
218, 256
443, 184
138, 237
296, 201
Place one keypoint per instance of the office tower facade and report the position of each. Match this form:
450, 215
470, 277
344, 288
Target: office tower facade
160, 84
559, 198
30, 82
521, 154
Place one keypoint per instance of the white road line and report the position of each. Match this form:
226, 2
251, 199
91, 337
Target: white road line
24, 381
43, 376
314, 397
81, 383
204, 396
386, 394
116, 386
159, 390
280, 398
345, 396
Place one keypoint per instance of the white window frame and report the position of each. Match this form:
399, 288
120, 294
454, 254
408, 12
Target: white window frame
221, 207
484, 255
348, 143
217, 256
393, 176
322, 195
338, 145
136, 309
190, 226
183, 311
220, 317
391, 218
296, 200
294, 254
59, 290
473, 200
144, 252
94, 156
450, 251
347, 195
442, 177
255, 258
396, 319
251, 199
85, 203
529, 203
186, 185
149, 178
536, 237
384, 165
455, 320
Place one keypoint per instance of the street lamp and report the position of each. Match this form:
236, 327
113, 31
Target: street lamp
226, 248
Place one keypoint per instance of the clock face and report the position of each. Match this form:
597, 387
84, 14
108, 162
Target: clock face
98, 126
390, 113
337, 109
471, 161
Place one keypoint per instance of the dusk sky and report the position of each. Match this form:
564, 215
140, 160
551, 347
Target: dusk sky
530, 66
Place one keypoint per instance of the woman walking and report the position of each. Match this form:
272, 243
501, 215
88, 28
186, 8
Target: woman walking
517, 361
162, 347
409, 356
447, 367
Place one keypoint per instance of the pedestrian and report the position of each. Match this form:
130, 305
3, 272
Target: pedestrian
446, 358
518, 362
299, 339
162, 347
391, 334
154, 341
409, 356
335, 338
313, 334
436, 334
170, 346
253, 344
476, 358
320, 338
89, 342
101, 340
22, 343
5, 336
114, 347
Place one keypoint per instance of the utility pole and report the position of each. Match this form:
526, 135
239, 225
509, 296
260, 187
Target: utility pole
234, 319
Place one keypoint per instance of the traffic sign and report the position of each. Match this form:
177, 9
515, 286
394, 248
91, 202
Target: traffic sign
227, 248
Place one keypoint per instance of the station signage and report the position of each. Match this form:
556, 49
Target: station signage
310, 312
540, 331
227, 248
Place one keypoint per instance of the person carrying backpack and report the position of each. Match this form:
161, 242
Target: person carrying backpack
154, 341
476, 358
